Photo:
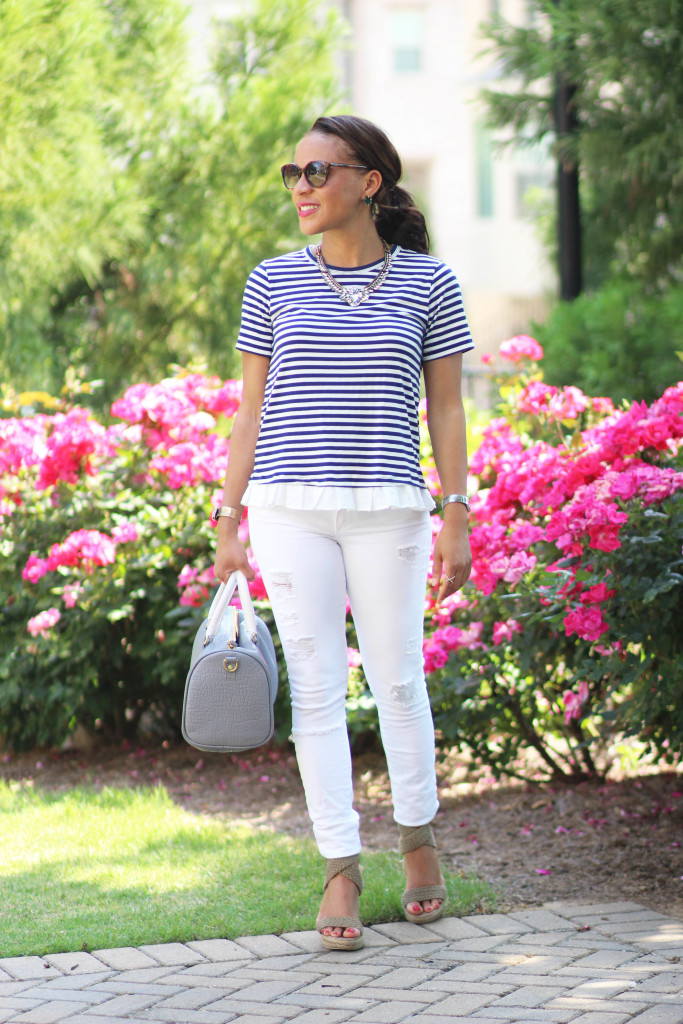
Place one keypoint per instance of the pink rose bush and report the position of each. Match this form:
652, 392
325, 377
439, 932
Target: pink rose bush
107, 540
576, 532
183, 408
566, 632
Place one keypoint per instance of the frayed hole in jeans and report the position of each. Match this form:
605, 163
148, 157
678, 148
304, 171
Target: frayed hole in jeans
283, 583
409, 554
405, 693
302, 649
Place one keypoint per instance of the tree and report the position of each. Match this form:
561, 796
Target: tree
214, 200
201, 170
570, 263
78, 81
624, 60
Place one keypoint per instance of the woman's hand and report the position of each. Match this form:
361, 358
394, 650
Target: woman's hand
452, 558
231, 554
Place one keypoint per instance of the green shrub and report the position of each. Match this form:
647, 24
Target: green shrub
616, 341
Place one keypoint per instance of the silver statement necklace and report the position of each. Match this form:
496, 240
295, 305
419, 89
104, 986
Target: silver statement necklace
353, 294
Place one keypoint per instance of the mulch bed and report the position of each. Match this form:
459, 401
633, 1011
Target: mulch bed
594, 842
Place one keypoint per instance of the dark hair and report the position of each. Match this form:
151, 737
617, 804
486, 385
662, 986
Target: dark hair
399, 219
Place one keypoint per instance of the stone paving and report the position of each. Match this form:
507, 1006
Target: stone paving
607, 963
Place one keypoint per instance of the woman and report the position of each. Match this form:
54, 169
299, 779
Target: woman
324, 451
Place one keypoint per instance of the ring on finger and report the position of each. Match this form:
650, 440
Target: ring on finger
451, 579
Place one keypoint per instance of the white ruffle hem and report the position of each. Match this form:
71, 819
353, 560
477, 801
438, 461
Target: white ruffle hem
309, 497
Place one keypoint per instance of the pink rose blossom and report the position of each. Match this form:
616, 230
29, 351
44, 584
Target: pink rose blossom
511, 569
86, 547
188, 574
500, 445
257, 587
43, 622
596, 594
34, 569
573, 702
606, 650
125, 533
194, 596
514, 350
586, 622
604, 406
189, 462
568, 404
354, 658
70, 594
523, 534
73, 443
505, 630
435, 656
535, 398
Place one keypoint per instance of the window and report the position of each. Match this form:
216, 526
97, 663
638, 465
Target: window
407, 32
483, 149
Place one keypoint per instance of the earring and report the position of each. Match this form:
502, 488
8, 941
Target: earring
373, 204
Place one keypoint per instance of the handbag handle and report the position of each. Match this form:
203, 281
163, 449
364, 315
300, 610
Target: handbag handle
220, 604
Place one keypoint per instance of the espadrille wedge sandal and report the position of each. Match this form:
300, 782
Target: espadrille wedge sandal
349, 867
411, 839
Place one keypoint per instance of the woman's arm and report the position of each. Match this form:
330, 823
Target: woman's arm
230, 551
446, 421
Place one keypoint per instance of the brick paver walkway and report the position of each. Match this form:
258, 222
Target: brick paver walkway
589, 964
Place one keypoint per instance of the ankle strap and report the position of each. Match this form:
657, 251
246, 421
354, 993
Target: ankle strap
412, 837
347, 866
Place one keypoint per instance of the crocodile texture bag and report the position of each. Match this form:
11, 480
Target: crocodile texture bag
232, 682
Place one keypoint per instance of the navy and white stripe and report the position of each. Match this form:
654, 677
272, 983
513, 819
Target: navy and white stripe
343, 387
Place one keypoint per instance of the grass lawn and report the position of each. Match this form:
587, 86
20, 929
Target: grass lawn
92, 869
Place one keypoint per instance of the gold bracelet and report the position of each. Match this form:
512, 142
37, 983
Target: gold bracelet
226, 510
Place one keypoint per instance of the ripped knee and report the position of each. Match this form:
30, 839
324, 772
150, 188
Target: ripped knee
407, 693
301, 649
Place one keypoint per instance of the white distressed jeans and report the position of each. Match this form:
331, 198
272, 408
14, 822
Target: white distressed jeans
310, 560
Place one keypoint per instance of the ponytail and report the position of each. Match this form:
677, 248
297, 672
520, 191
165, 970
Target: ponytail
399, 221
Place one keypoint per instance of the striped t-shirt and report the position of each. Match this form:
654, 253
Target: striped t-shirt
343, 386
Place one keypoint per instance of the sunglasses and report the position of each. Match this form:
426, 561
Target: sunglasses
314, 172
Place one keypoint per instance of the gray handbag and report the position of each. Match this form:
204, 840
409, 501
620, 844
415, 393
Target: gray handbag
232, 683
